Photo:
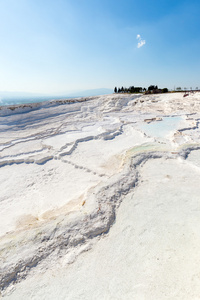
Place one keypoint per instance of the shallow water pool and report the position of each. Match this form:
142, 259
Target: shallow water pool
162, 128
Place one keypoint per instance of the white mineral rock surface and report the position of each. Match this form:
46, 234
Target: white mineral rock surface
100, 198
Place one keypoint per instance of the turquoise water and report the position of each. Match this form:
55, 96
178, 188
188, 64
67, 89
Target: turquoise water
162, 128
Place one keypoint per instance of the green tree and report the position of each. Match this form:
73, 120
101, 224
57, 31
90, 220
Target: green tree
152, 87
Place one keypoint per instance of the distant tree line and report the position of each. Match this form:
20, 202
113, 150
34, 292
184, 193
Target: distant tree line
179, 89
152, 89
131, 89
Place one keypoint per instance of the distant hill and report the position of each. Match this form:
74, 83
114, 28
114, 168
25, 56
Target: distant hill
26, 95
93, 92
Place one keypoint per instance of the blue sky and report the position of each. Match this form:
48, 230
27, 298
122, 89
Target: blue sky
57, 46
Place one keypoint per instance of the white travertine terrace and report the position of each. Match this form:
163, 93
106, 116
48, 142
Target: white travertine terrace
100, 198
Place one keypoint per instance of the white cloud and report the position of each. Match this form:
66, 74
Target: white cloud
140, 41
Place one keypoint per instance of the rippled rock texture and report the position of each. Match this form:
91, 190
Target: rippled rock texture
81, 179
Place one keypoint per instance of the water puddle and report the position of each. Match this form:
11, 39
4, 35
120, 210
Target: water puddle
162, 128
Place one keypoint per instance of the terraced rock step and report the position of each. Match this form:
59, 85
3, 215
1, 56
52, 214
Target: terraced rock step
66, 167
